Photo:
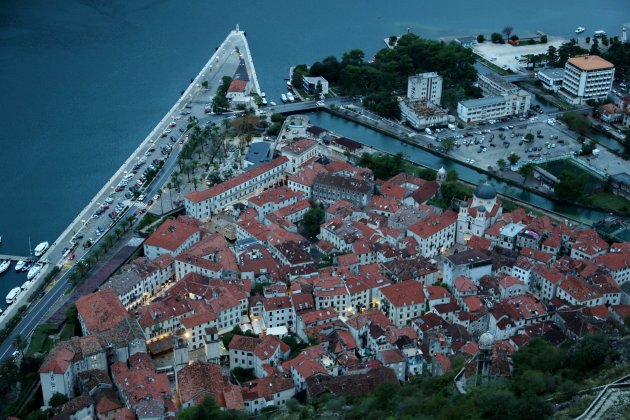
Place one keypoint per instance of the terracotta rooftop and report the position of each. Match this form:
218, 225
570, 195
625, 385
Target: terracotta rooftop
299, 147
591, 62
171, 235
101, 310
405, 293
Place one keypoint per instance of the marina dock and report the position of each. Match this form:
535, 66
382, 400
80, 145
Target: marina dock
14, 258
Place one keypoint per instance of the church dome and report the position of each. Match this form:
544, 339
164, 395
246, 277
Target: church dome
486, 340
442, 171
485, 191
481, 209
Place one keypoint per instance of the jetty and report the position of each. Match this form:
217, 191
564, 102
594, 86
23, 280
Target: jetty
14, 258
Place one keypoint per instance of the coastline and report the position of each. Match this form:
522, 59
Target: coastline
83, 217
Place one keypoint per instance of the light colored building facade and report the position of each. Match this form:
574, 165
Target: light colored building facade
587, 77
425, 87
551, 79
502, 99
203, 204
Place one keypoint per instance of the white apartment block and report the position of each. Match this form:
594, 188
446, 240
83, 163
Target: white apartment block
587, 77
203, 204
425, 87
551, 79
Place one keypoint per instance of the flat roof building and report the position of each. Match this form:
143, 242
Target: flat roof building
586, 77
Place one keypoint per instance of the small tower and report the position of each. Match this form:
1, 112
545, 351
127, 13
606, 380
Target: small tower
484, 358
180, 352
213, 345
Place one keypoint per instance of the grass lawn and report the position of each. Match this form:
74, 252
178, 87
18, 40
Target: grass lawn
40, 342
67, 331
609, 201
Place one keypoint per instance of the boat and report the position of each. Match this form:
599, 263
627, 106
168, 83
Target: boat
579, 30
4, 265
262, 95
41, 248
599, 34
0, 239
20, 265
284, 97
13, 294
264, 101
272, 103
34, 270
290, 97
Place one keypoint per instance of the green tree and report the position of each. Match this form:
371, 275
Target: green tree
312, 221
527, 170
392, 40
501, 163
19, 343
496, 38
576, 122
588, 39
353, 57
448, 144
507, 31
298, 74
543, 39
204, 84
529, 136
57, 399
481, 39
570, 187
513, 158
552, 55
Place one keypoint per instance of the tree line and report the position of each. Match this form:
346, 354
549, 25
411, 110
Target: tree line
381, 80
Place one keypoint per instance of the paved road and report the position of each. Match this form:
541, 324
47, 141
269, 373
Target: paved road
223, 63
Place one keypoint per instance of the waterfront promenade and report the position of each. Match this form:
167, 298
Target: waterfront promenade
223, 62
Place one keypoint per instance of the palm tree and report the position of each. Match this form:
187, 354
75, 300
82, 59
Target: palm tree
169, 186
119, 231
20, 344
194, 181
159, 191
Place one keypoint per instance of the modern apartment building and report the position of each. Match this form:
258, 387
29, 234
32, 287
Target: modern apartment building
587, 77
425, 87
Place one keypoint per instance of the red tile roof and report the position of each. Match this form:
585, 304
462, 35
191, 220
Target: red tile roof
300, 146
171, 235
406, 293
200, 379
101, 310
237, 86
433, 224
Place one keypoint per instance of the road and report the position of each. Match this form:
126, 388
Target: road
223, 63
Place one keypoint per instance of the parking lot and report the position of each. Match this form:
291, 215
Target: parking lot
485, 146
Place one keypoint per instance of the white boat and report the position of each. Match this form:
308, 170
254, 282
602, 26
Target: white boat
13, 294
41, 248
599, 34
262, 95
20, 265
34, 270
4, 265
290, 97
264, 101
283, 97
579, 30
272, 103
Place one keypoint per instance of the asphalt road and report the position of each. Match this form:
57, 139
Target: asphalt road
224, 63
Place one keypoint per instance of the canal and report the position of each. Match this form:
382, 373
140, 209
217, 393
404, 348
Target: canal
422, 157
